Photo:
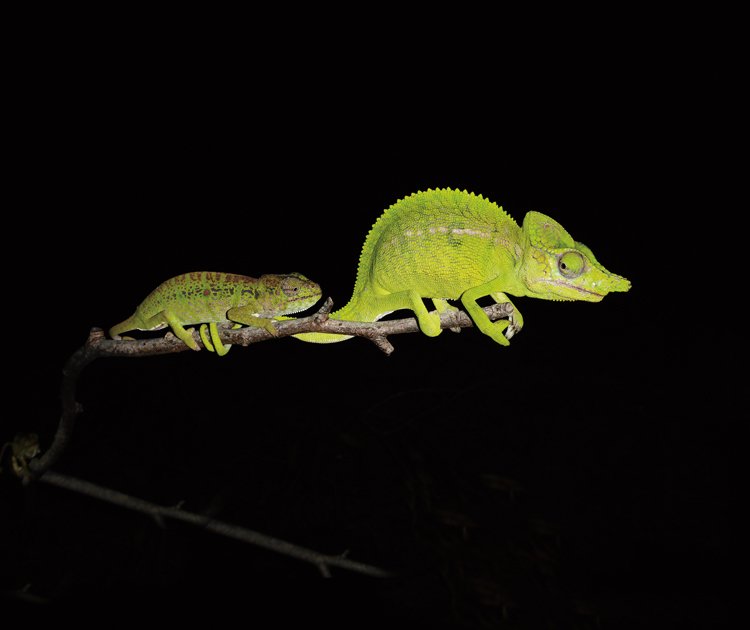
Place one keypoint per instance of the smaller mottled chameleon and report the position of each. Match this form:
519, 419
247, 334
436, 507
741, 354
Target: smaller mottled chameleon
206, 297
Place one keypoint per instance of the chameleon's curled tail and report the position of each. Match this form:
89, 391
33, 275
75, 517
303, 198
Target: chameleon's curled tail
321, 337
131, 323
352, 312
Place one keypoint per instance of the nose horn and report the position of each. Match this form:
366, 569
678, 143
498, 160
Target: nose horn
618, 283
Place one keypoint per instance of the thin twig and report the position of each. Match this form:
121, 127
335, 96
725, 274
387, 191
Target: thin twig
322, 561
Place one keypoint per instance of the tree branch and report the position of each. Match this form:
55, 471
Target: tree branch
322, 561
377, 332
98, 346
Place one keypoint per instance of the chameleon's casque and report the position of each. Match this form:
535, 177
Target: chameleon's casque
448, 244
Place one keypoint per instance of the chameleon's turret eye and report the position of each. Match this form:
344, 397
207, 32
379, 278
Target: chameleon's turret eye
290, 286
571, 264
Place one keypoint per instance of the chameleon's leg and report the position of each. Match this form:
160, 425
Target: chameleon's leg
244, 315
494, 330
186, 336
429, 323
442, 306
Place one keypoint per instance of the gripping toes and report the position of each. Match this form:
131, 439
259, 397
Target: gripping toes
511, 329
186, 335
430, 324
514, 323
496, 329
442, 306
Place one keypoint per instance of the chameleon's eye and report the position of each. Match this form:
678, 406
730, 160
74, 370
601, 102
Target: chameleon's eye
290, 286
571, 264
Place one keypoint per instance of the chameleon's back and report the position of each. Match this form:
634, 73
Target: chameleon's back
200, 296
439, 242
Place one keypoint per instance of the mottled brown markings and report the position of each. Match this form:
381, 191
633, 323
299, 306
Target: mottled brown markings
238, 279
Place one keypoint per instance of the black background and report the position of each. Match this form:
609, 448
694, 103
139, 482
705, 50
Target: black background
576, 477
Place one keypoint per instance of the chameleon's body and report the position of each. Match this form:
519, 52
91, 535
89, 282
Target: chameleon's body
205, 297
448, 245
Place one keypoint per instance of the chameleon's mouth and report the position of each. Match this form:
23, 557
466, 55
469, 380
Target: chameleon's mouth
594, 294
300, 306
591, 296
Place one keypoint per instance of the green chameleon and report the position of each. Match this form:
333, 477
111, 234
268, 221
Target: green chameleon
449, 244
209, 297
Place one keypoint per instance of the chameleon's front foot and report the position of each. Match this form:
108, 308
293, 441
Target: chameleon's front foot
503, 330
241, 315
497, 331
515, 323
500, 331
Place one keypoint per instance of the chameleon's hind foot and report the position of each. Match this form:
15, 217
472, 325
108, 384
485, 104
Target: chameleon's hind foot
186, 336
429, 323
442, 306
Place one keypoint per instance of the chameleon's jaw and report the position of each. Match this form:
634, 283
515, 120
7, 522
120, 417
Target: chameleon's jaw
302, 304
559, 290
585, 294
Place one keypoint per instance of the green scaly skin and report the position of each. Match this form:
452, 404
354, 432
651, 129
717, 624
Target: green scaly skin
205, 297
449, 244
